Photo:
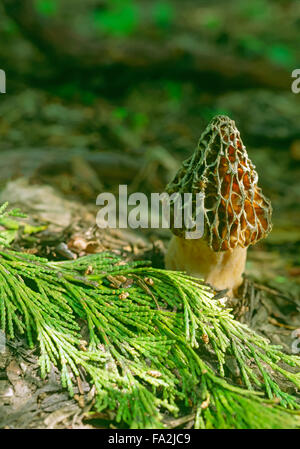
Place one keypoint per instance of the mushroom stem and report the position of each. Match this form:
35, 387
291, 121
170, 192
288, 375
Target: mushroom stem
223, 269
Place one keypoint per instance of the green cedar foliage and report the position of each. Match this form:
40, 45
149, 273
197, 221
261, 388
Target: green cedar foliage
158, 341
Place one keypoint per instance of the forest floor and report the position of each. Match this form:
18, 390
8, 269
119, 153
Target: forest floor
59, 155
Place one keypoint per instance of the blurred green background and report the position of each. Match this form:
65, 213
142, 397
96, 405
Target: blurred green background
127, 86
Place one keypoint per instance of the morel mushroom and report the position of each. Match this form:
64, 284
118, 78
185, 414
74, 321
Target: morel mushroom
236, 213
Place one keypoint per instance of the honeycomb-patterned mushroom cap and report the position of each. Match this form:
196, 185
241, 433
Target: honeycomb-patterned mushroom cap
236, 213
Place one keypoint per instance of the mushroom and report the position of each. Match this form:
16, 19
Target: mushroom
236, 213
